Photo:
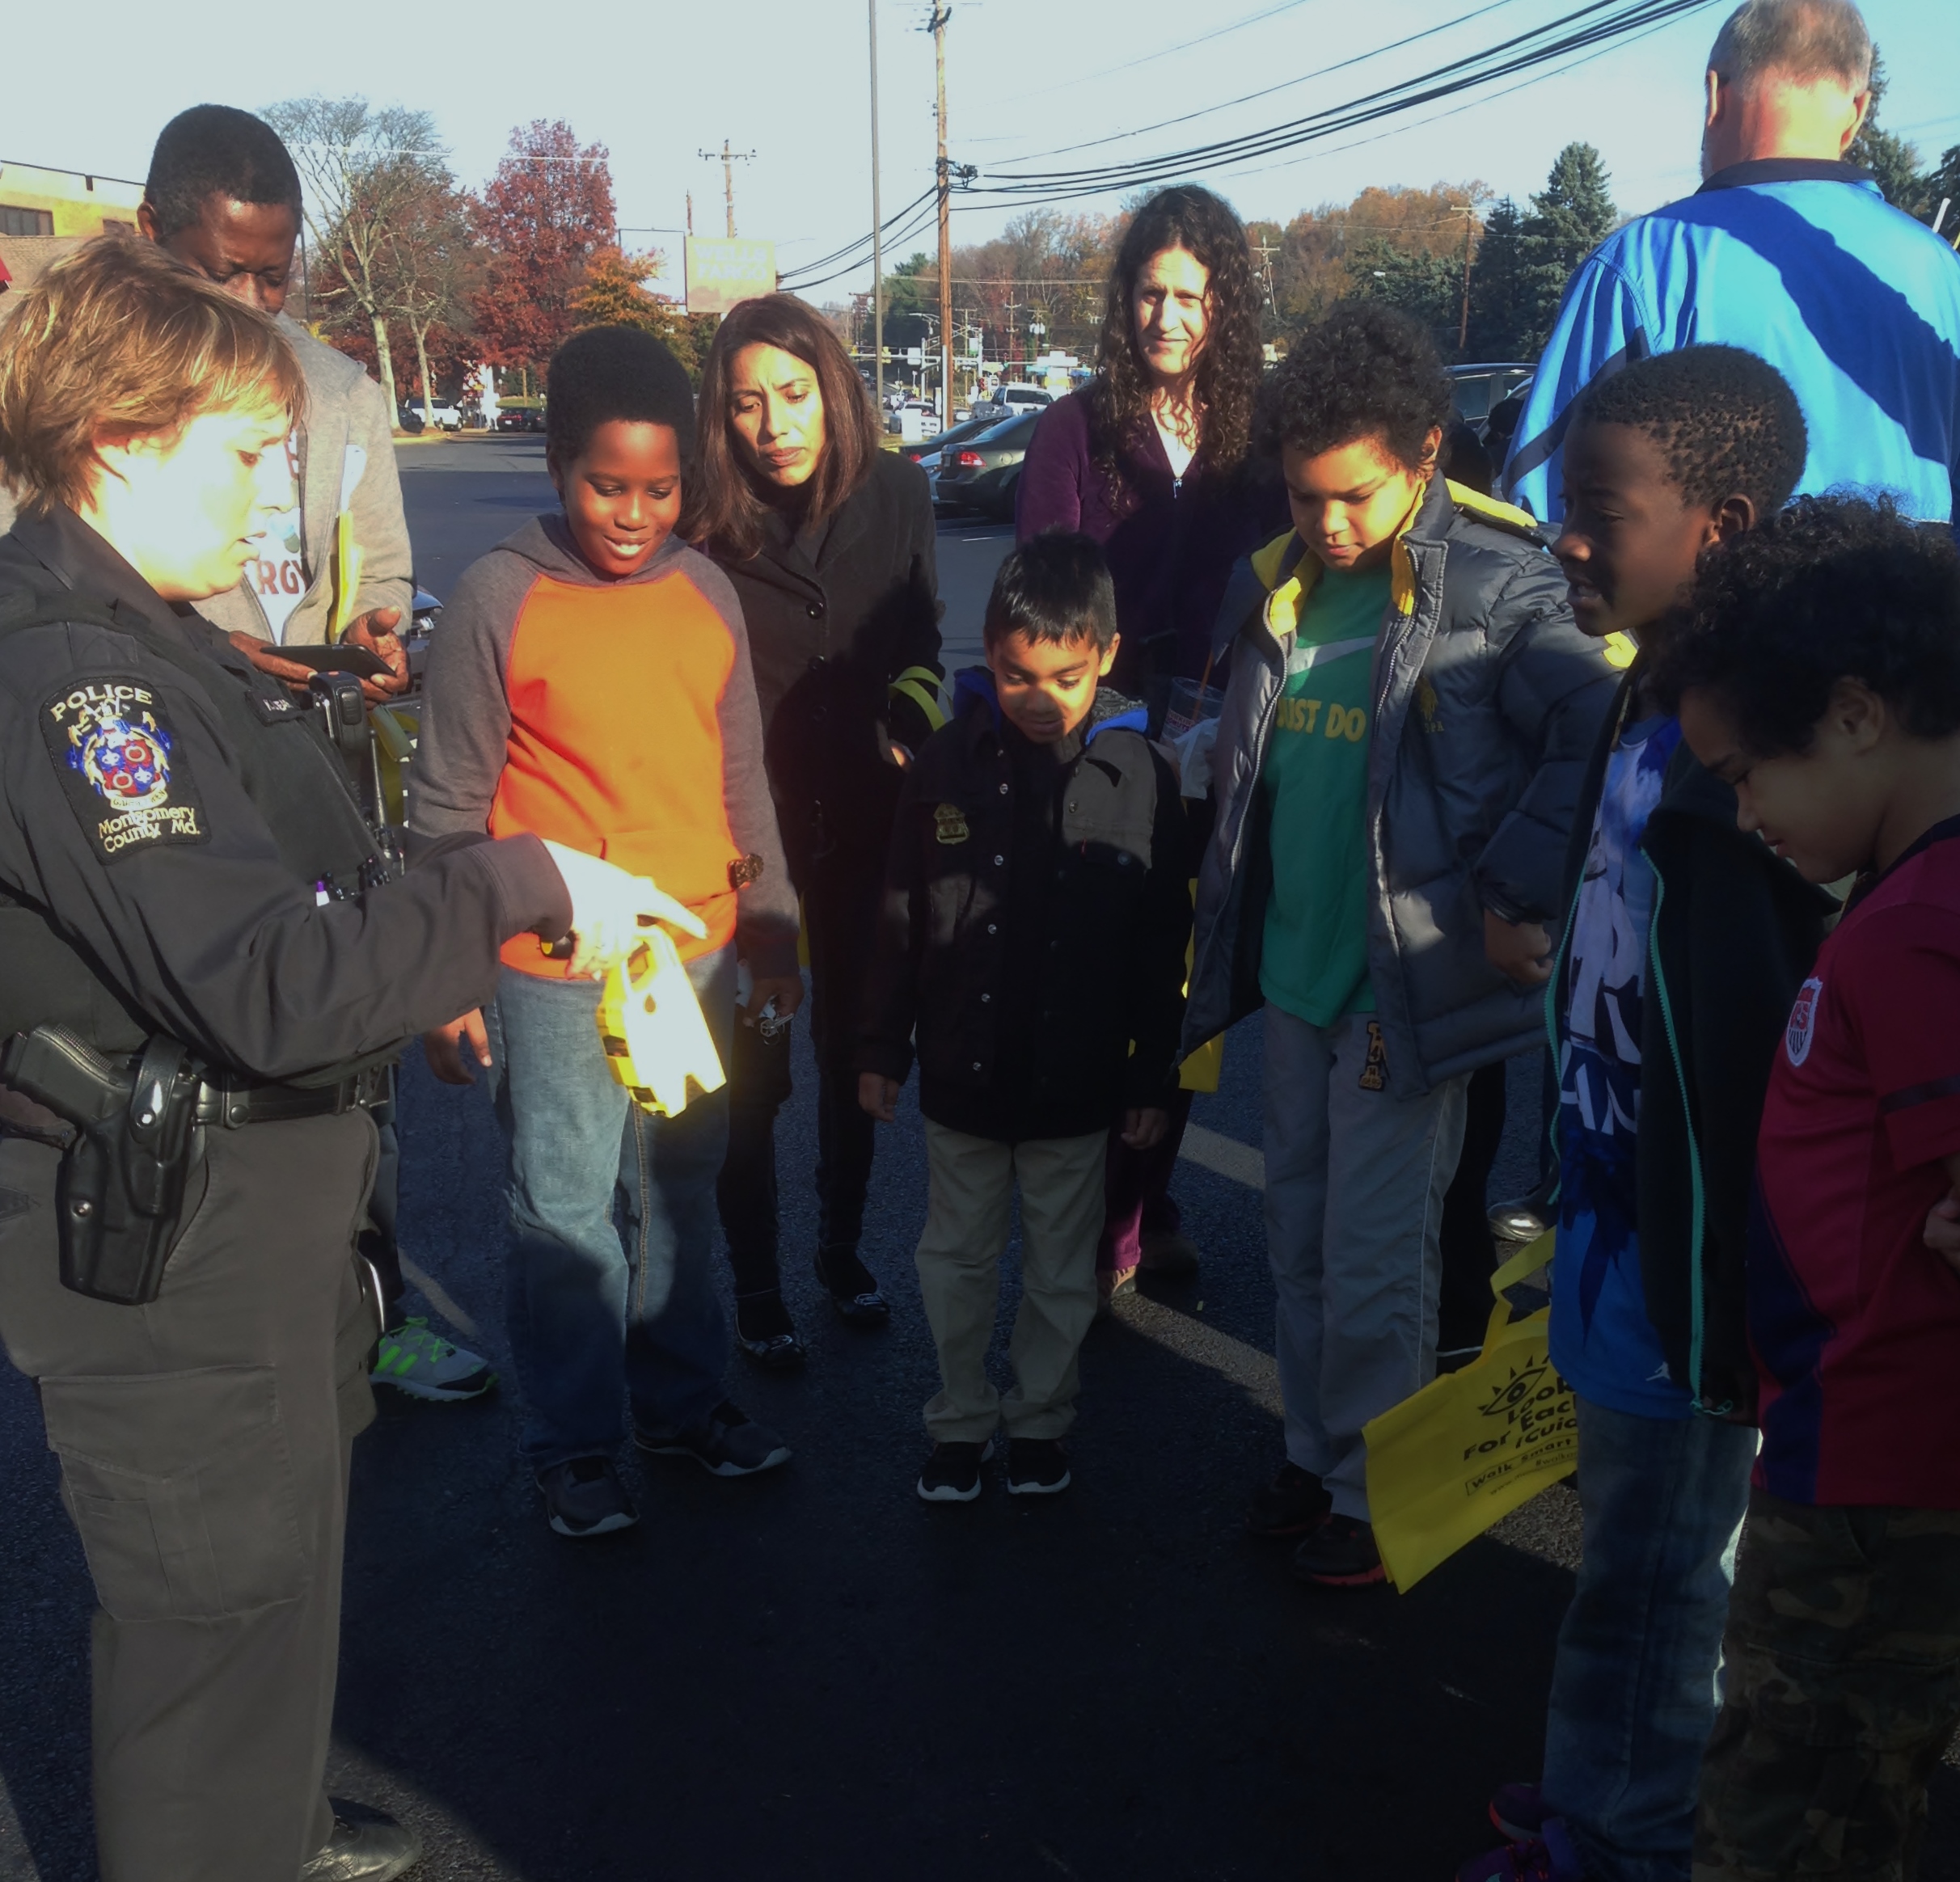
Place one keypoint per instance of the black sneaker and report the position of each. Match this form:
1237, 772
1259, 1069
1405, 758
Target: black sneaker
1037, 1466
727, 1443
1340, 1554
1291, 1505
584, 1497
377, 1849
952, 1474
764, 1331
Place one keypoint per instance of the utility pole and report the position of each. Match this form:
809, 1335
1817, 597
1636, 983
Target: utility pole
877, 226
728, 159
940, 15
1468, 212
690, 212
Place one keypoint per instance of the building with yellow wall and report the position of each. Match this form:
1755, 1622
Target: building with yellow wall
39, 202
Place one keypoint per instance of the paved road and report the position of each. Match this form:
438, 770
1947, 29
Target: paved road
814, 1674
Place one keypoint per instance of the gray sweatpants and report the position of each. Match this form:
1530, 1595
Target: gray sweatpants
204, 1441
1355, 1180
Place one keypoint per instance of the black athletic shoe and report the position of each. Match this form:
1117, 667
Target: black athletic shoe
1340, 1554
764, 1331
584, 1497
1037, 1466
376, 1850
727, 1443
952, 1474
852, 1287
1291, 1505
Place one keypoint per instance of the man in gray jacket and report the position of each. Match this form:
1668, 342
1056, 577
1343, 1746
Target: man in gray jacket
223, 198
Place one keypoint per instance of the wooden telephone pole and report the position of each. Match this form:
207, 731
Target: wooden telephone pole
728, 159
1468, 212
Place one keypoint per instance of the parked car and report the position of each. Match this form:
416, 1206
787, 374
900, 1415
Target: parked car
984, 472
928, 416
1475, 389
520, 418
926, 448
446, 416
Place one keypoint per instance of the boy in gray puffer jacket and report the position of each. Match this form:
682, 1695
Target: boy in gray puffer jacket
1404, 729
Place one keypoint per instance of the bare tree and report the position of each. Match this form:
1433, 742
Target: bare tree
361, 168
430, 267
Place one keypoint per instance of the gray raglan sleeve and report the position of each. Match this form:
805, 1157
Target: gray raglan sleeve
766, 918
381, 528
466, 711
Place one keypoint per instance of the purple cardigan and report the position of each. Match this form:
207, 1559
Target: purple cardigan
1171, 547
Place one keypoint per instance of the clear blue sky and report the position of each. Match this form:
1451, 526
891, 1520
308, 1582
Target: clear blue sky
787, 78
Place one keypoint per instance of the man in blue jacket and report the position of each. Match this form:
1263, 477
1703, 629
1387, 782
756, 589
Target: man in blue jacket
1789, 251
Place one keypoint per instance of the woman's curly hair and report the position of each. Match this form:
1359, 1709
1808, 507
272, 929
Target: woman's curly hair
1833, 588
1229, 365
1367, 370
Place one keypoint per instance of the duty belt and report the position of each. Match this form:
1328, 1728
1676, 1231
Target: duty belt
236, 1103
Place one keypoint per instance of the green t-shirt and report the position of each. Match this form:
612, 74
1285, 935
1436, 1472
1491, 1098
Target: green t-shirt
1314, 963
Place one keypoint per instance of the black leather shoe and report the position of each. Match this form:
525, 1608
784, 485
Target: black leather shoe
852, 1287
377, 1849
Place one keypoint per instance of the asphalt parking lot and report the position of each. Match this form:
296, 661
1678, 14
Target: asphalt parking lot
814, 1674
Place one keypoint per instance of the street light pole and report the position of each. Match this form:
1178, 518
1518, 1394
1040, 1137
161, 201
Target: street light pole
877, 226
940, 15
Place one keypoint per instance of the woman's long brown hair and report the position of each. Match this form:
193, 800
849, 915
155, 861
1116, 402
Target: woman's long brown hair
1232, 364
726, 501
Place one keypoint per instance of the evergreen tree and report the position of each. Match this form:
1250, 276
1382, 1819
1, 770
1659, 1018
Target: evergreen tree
1501, 305
1570, 216
1893, 163
1941, 183
1428, 286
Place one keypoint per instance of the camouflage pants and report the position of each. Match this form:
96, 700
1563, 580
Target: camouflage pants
1843, 1687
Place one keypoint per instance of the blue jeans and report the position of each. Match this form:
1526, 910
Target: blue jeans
1634, 1688
612, 1218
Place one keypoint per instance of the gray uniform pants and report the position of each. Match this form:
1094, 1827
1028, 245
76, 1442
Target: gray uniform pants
203, 1446
1355, 1179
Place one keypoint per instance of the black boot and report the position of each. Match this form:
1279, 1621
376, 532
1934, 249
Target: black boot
765, 1331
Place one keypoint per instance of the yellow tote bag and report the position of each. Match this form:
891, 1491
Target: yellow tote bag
1474, 1444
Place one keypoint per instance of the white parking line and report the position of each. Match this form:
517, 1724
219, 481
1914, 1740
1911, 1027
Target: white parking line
1224, 1156
438, 1296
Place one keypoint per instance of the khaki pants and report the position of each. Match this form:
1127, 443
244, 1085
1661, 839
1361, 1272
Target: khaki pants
973, 1181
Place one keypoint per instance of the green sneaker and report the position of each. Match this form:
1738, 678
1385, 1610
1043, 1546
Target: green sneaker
426, 1365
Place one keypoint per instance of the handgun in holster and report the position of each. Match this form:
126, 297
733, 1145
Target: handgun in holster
121, 1191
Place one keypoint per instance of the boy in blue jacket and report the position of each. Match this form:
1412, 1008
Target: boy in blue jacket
1686, 942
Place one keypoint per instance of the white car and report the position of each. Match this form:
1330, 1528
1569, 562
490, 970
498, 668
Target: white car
444, 417
1023, 398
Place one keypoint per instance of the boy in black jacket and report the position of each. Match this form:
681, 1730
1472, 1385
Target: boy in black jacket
1685, 942
1035, 916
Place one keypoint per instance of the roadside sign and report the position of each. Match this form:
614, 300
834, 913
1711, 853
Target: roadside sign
722, 273
915, 355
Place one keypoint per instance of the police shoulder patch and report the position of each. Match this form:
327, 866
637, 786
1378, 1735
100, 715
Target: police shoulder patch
119, 762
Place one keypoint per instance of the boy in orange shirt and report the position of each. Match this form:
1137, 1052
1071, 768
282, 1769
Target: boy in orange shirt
591, 683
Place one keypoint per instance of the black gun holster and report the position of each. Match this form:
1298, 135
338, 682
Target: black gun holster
120, 1194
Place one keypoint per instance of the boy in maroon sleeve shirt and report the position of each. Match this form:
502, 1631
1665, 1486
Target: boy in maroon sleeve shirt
1819, 675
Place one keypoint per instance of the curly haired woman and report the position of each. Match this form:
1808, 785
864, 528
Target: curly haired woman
1151, 460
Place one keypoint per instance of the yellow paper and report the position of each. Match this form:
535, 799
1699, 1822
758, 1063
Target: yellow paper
657, 1042
1473, 1444
346, 575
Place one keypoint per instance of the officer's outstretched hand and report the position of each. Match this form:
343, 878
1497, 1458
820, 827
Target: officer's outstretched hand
450, 1050
610, 908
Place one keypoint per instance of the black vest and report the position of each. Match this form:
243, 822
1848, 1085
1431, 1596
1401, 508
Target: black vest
291, 774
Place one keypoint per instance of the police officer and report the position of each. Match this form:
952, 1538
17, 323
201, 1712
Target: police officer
205, 967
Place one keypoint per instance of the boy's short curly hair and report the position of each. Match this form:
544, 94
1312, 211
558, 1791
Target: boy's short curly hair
1367, 370
603, 373
1726, 422
1833, 588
